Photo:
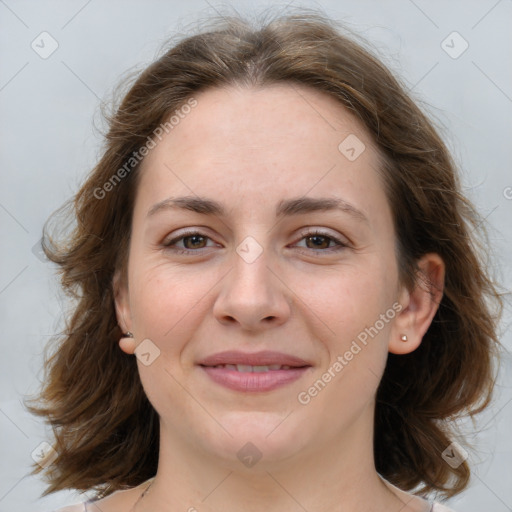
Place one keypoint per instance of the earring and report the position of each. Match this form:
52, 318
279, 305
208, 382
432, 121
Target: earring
403, 337
127, 334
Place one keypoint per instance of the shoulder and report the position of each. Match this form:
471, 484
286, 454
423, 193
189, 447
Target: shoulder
118, 500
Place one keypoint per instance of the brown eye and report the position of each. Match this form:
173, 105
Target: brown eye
322, 243
196, 241
318, 242
192, 242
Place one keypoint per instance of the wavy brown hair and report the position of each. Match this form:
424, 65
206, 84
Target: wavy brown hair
106, 431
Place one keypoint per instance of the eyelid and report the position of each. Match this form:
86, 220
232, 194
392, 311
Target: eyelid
312, 231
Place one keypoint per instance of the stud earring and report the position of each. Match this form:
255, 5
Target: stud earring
127, 334
403, 337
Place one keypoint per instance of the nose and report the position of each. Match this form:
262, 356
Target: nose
252, 296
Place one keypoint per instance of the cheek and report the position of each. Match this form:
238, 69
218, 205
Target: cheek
348, 298
356, 309
163, 303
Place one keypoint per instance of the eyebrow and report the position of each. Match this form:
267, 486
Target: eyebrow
288, 207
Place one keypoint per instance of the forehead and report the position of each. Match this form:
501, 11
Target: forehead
262, 118
258, 144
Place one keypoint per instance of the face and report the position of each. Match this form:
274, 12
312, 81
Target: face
268, 271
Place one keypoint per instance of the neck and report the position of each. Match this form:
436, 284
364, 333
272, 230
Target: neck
317, 478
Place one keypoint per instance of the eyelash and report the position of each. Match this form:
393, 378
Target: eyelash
341, 245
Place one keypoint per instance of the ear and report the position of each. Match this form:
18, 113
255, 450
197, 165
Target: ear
419, 305
123, 311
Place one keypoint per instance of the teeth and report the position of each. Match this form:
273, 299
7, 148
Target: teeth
262, 368
246, 368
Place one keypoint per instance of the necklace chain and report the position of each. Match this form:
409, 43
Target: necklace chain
141, 496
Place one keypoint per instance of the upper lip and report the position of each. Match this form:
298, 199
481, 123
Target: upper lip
263, 358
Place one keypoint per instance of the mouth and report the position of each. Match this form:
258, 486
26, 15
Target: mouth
247, 368
257, 372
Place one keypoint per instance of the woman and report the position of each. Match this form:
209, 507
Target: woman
280, 299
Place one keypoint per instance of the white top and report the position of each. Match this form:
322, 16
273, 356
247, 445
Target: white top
440, 508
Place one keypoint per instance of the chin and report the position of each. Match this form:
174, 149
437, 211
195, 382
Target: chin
258, 440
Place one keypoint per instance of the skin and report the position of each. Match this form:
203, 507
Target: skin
249, 148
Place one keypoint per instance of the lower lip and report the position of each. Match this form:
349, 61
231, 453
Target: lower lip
254, 381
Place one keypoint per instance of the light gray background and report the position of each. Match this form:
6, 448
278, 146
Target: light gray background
48, 110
